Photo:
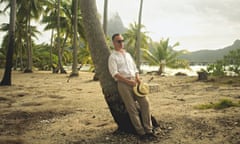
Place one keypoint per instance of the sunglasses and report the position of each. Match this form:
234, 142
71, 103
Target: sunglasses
120, 41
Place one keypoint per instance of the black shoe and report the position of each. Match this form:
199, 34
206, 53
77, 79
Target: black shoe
148, 136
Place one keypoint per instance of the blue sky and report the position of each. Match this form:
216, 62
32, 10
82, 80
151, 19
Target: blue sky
196, 24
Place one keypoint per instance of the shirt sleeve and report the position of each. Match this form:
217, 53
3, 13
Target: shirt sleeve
112, 66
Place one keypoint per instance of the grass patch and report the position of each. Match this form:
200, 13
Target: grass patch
225, 80
222, 104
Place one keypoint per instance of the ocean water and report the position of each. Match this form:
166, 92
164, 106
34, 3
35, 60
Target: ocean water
169, 71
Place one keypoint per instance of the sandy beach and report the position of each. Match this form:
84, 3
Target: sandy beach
43, 108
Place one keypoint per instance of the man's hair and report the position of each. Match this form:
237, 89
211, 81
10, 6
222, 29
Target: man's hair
114, 35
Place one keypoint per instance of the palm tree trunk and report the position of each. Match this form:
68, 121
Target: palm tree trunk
64, 42
162, 67
21, 58
11, 44
100, 53
29, 43
16, 61
138, 42
30, 48
60, 66
105, 17
75, 22
51, 49
58, 36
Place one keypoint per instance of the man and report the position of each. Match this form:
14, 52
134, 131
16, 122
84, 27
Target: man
124, 71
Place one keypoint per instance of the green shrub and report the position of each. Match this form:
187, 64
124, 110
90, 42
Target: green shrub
222, 104
216, 69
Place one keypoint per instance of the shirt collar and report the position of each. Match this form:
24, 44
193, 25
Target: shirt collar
117, 52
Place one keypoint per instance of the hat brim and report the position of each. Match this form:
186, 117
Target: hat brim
137, 92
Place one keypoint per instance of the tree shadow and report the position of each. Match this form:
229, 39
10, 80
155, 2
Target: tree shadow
119, 137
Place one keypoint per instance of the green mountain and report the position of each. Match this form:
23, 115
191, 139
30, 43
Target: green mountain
209, 56
115, 25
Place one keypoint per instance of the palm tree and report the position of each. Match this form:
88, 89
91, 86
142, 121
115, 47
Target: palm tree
41, 56
130, 37
72, 25
54, 20
84, 55
138, 41
29, 10
75, 44
66, 25
60, 66
162, 54
100, 53
49, 16
11, 44
26, 10
20, 39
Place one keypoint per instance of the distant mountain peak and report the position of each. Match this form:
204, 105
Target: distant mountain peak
236, 42
209, 56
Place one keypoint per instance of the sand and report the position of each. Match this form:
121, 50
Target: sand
43, 108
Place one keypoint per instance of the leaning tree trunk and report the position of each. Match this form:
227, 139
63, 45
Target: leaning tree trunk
100, 53
11, 44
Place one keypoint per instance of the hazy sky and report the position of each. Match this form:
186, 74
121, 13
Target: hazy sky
196, 24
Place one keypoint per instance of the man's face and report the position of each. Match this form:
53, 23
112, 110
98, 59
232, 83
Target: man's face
118, 42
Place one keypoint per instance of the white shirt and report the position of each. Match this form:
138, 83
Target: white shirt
122, 63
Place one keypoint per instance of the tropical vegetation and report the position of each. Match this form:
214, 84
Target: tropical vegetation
229, 65
163, 54
48, 56
28, 54
130, 37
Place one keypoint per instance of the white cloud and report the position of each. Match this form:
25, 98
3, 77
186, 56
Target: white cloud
196, 24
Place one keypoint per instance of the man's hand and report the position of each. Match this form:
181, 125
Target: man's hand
132, 82
137, 78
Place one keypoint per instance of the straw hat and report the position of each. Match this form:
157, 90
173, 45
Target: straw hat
141, 89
